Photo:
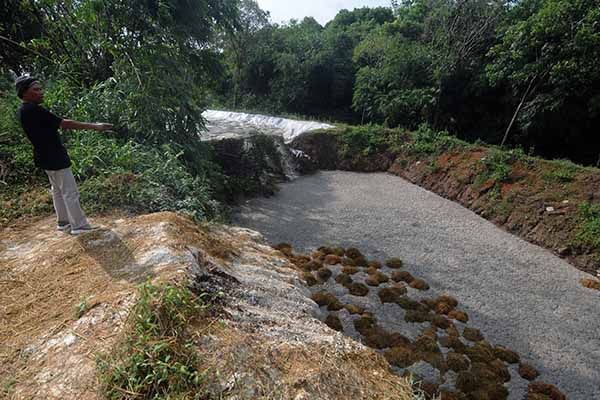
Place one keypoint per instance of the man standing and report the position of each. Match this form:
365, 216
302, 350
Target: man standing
41, 127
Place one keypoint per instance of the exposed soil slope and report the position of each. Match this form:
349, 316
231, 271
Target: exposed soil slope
535, 199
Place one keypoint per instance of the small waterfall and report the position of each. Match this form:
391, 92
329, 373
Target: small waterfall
234, 125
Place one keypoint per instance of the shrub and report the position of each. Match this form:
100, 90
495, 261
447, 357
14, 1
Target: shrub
156, 359
588, 232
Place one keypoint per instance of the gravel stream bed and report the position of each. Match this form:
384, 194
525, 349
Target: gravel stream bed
517, 294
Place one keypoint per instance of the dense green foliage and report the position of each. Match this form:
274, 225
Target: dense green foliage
522, 71
144, 66
156, 359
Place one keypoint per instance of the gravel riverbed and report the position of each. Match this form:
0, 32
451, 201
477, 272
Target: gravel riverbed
517, 294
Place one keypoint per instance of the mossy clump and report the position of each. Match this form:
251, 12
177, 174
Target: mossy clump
354, 309
591, 284
325, 250
439, 321
484, 373
506, 355
311, 266
334, 322
338, 251
442, 308
324, 273
431, 333
378, 338
452, 331
400, 356
431, 389
426, 344
358, 289
299, 260
349, 270
547, 390
318, 255
309, 279
409, 304
363, 323
323, 298
353, 253
348, 262
343, 280
416, 316
500, 370
402, 276
392, 294
451, 301
419, 284
480, 352
457, 362
285, 248
497, 391
467, 382
472, 334
335, 305
528, 371
435, 359
376, 279
459, 316
451, 395
374, 264
394, 263
360, 261
332, 259
454, 343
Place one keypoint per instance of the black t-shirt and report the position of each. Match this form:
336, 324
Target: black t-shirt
41, 128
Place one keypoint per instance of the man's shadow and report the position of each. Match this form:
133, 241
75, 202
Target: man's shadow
114, 256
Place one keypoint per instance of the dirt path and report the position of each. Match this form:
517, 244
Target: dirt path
518, 294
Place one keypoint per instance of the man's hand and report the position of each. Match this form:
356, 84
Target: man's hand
100, 126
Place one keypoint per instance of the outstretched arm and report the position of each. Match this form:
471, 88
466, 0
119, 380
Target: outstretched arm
96, 126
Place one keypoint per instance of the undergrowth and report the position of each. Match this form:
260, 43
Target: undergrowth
589, 225
157, 358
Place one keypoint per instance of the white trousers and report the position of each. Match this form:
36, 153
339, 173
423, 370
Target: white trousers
65, 196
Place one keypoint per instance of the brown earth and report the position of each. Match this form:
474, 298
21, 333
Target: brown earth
539, 210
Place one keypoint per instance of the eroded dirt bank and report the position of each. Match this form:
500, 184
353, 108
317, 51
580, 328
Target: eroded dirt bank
532, 198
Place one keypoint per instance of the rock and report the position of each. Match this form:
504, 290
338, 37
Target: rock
374, 264
309, 279
353, 309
